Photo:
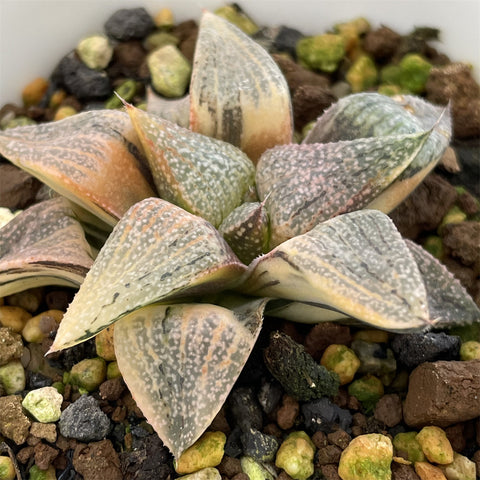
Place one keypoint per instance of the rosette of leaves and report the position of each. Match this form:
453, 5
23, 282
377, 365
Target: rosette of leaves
186, 309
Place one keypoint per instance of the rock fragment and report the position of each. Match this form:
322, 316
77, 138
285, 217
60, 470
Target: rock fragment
97, 460
84, 421
129, 23
415, 348
14, 424
443, 393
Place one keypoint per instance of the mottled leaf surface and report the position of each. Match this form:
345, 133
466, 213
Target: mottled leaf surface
237, 92
181, 361
366, 115
310, 183
157, 252
449, 303
92, 158
246, 230
356, 263
43, 245
203, 175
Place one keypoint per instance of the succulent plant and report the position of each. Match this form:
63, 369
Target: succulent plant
307, 226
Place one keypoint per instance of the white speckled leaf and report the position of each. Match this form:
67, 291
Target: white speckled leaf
356, 263
43, 245
157, 252
181, 361
205, 176
246, 230
237, 92
92, 158
366, 115
308, 184
449, 303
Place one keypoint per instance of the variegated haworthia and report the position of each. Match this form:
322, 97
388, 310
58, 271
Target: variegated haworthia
181, 361
237, 92
43, 245
157, 252
366, 115
92, 158
356, 264
203, 175
308, 184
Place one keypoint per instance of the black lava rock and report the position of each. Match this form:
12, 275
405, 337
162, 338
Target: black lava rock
83, 420
233, 446
244, 409
82, 82
296, 370
324, 415
149, 460
270, 395
37, 380
412, 349
258, 445
286, 40
129, 24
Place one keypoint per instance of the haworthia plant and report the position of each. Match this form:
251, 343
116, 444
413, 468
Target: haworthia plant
448, 302
203, 175
366, 115
181, 361
166, 275
237, 92
310, 183
93, 158
157, 252
43, 245
356, 263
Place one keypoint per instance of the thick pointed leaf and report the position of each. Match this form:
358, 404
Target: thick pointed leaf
246, 230
356, 263
237, 92
181, 361
92, 158
308, 184
157, 252
367, 115
449, 303
205, 176
43, 245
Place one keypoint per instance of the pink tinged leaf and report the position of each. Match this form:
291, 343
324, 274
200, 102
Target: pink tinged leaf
181, 361
356, 264
308, 184
43, 245
92, 158
246, 230
156, 253
449, 303
237, 92
367, 115
205, 176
